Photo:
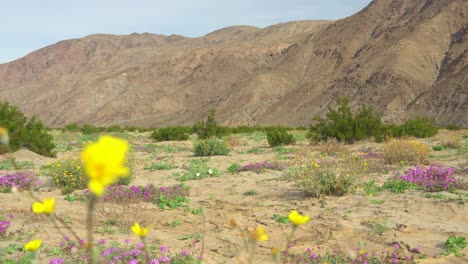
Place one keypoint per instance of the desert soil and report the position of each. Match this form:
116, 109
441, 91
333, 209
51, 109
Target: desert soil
343, 223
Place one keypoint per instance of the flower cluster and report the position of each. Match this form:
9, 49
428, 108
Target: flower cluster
258, 167
4, 225
19, 180
433, 178
137, 194
314, 256
369, 153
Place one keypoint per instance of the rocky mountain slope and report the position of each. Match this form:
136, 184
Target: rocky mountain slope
405, 57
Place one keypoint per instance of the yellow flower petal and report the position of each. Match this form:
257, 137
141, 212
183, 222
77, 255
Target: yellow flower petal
33, 245
298, 219
46, 207
104, 161
139, 231
259, 234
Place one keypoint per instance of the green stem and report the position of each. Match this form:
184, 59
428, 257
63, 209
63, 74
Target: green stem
90, 224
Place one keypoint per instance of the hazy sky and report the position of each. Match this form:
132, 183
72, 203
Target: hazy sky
27, 25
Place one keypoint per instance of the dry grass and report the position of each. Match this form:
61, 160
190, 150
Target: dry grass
406, 150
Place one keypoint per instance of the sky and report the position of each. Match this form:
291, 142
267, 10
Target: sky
28, 25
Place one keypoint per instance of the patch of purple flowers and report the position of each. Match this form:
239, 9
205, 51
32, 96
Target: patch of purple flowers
20, 180
4, 225
56, 261
137, 194
433, 178
258, 167
370, 153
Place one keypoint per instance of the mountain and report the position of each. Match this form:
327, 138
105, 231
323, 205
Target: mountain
404, 57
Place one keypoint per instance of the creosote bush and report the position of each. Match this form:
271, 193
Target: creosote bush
210, 147
170, 134
406, 150
210, 128
346, 126
24, 132
323, 177
278, 137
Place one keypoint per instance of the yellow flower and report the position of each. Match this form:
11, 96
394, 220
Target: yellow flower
4, 138
275, 251
361, 252
33, 245
258, 234
46, 207
139, 231
104, 161
298, 219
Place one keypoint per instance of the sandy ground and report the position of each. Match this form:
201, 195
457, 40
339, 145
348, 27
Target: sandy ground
410, 219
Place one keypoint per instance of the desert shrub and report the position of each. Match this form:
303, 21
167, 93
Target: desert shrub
210, 128
29, 133
326, 177
452, 141
346, 126
397, 185
437, 148
170, 134
198, 169
19, 180
419, 127
433, 178
210, 147
406, 150
233, 168
234, 141
69, 175
278, 136
453, 127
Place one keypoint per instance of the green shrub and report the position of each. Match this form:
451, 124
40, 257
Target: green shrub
455, 245
198, 169
170, 134
24, 132
398, 186
419, 127
453, 127
346, 126
278, 137
437, 148
210, 147
210, 128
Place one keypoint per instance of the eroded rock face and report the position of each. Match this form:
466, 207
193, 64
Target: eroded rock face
402, 56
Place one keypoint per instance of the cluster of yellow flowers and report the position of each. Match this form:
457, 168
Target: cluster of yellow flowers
104, 162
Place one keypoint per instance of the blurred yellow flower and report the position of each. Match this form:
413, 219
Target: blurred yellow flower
4, 138
139, 231
46, 207
298, 219
33, 245
104, 162
258, 234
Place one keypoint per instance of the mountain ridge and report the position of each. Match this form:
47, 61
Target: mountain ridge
403, 57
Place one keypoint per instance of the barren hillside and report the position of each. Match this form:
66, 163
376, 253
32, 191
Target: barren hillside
404, 57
